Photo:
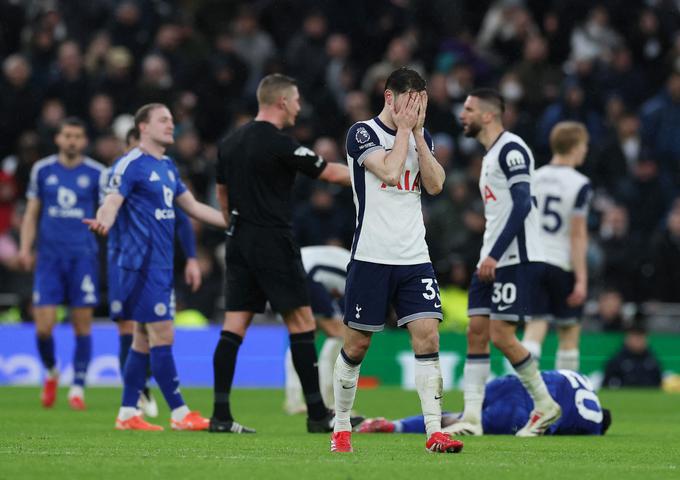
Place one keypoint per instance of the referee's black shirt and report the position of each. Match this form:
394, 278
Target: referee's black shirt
257, 163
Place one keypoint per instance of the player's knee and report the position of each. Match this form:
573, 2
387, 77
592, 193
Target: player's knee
426, 342
356, 348
501, 340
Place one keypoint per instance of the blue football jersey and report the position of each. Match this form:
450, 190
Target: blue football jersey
507, 405
67, 196
146, 220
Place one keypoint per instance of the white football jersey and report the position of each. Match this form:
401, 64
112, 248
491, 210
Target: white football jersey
509, 161
562, 193
389, 225
327, 265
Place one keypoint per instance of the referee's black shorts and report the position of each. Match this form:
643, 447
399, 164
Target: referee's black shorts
264, 264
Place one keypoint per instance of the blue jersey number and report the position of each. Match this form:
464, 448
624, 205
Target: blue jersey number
548, 211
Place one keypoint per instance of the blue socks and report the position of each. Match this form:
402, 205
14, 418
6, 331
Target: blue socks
134, 377
81, 359
46, 350
165, 373
124, 344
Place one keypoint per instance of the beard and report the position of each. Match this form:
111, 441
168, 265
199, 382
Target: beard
472, 130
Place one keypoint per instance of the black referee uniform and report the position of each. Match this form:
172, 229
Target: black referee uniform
257, 164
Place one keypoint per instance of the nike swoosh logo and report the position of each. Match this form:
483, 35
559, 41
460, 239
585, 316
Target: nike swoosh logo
502, 308
347, 388
437, 305
438, 398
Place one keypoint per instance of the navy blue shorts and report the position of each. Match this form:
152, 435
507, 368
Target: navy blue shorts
371, 287
71, 281
557, 285
511, 297
322, 302
147, 295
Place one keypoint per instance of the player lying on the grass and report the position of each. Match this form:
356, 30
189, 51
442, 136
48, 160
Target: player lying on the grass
507, 406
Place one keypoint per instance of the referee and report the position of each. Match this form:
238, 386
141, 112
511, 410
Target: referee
256, 170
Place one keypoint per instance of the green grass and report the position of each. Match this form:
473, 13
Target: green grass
40, 444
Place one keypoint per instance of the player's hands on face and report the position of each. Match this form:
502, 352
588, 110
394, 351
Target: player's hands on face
192, 274
26, 261
487, 270
96, 226
578, 295
405, 110
422, 109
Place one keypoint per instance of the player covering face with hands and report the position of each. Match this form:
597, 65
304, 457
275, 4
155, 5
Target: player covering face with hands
390, 159
142, 192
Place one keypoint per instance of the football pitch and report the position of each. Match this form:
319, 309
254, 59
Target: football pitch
643, 442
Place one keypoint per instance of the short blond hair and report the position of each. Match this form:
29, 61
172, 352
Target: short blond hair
272, 87
565, 136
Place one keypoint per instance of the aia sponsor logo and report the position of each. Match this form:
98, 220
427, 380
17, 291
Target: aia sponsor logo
488, 194
407, 183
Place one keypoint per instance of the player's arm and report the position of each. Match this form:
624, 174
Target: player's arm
521, 206
432, 174
223, 201
514, 162
388, 166
579, 247
29, 225
200, 211
187, 241
106, 214
336, 173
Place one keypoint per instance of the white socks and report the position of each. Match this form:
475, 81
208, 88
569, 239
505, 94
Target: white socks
476, 373
345, 379
567, 360
327, 357
527, 371
179, 413
429, 385
295, 398
534, 348
76, 391
126, 413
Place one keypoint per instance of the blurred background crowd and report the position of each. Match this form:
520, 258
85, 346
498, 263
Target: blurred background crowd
613, 65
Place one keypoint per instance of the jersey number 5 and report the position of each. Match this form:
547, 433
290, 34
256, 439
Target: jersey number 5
549, 212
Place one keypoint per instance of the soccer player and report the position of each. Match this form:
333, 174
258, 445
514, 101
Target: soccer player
192, 275
63, 190
507, 406
563, 199
326, 268
255, 175
144, 186
390, 157
502, 290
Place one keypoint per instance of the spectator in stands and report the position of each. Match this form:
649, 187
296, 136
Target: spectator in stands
70, 83
19, 101
665, 250
609, 316
660, 118
618, 156
635, 365
622, 252
539, 80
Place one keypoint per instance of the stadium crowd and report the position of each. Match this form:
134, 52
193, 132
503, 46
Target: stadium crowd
613, 65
